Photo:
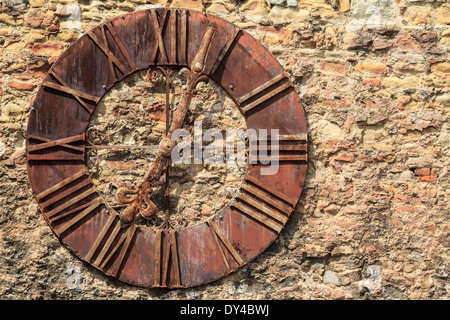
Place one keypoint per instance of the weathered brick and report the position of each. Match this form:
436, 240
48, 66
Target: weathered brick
422, 172
36, 3
274, 35
47, 49
407, 42
419, 14
345, 157
10, 19
441, 67
34, 18
373, 82
333, 67
254, 8
381, 44
443, 14
371, 67
405, 82
406, 67
358, 40
430, 178
22, 85
344, 5
121, 165
445, 37
125, 6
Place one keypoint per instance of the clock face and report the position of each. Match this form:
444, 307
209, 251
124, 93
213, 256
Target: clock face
143, 230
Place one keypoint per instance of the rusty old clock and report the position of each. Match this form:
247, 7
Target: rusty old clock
200, 47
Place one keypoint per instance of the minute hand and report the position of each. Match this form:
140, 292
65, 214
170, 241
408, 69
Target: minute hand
139, 200
194, 76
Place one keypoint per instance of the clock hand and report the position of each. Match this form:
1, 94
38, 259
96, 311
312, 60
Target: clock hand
139, 200
166, 191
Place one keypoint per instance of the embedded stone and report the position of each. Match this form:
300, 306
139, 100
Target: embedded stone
36, 3
371, 67
331, 277
441, 67
22, 85
443, 14
34, 18
47, 49
418, 14
333, 66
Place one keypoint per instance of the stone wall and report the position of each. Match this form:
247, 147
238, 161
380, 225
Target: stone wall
372, 223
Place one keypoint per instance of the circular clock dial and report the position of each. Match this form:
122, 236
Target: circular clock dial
136, 233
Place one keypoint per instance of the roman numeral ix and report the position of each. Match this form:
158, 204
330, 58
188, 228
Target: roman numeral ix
65, 149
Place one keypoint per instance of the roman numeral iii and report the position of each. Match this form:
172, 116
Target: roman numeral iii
65, 149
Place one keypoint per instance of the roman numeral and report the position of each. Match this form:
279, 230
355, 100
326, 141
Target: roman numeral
62, 193
159, 37
224, 50
182, 53
219, 238
106, 245
173, 37
78, 95
53, 148
277, 85
166, 255
264, 204
170, 21
112, 59
290, 148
